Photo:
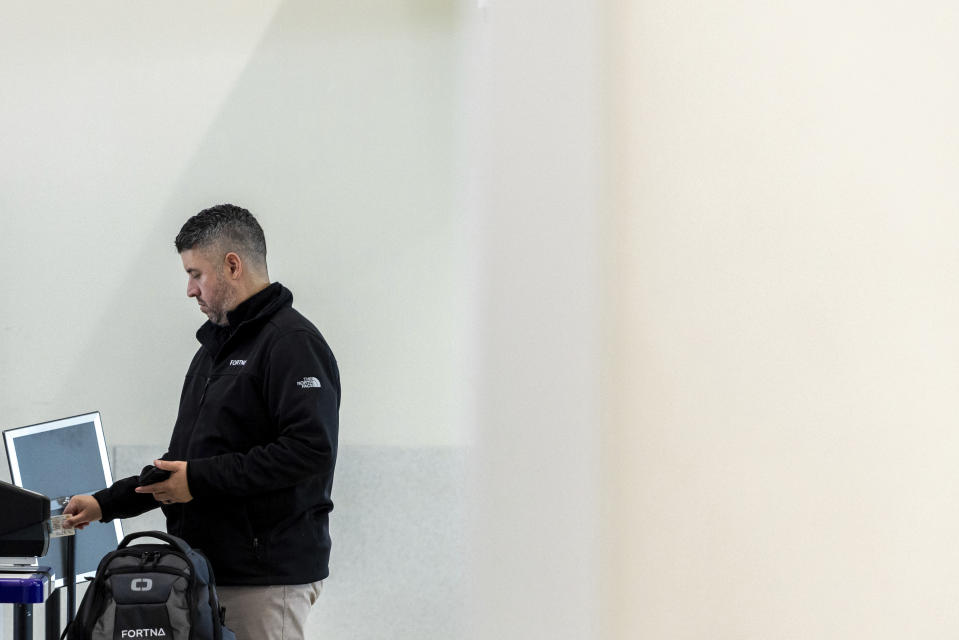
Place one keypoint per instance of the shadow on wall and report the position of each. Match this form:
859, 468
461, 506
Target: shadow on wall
340, 135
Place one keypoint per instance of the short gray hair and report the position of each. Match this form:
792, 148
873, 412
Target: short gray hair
228, 226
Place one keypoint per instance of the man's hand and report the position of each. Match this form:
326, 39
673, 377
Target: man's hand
82, 511
173, 489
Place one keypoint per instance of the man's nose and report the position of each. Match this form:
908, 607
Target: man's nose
192, 290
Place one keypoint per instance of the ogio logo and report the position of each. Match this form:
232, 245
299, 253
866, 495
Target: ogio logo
141, 584
237, 363
143, 633
307, 383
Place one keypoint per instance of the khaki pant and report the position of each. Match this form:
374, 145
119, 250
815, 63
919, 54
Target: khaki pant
269, 613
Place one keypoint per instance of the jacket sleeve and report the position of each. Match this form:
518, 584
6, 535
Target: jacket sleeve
121, 501
301, 390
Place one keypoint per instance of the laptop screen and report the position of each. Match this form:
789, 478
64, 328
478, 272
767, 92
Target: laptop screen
59, 459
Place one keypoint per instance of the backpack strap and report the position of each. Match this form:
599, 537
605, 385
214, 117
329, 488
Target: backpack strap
159, 535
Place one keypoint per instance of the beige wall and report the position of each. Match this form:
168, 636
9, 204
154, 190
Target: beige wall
785, 320
725, 409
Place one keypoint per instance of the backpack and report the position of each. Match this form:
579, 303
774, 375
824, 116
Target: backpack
151, 591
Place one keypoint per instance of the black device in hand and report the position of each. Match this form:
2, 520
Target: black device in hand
152, 475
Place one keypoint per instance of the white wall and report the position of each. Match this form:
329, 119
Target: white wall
333, 123
536, 155
337, 124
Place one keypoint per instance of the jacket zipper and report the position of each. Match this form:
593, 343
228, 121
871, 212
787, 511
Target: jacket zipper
196, 416
203, 395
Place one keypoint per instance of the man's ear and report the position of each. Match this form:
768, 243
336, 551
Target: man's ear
234, 265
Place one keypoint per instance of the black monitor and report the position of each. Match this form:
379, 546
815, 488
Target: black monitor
59, 459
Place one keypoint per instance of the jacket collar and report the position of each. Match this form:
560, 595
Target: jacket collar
257, 308
263, 303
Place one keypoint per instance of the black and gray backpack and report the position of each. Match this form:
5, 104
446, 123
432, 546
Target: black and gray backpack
151, 591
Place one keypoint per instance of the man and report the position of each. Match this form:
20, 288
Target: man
253, 448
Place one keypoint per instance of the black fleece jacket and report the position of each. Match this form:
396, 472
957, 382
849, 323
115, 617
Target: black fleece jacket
258, 426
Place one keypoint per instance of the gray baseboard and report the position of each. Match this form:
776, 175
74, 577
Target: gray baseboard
399, 552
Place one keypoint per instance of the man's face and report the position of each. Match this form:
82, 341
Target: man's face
207, 282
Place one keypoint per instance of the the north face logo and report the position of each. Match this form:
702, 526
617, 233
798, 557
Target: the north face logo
308, 383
